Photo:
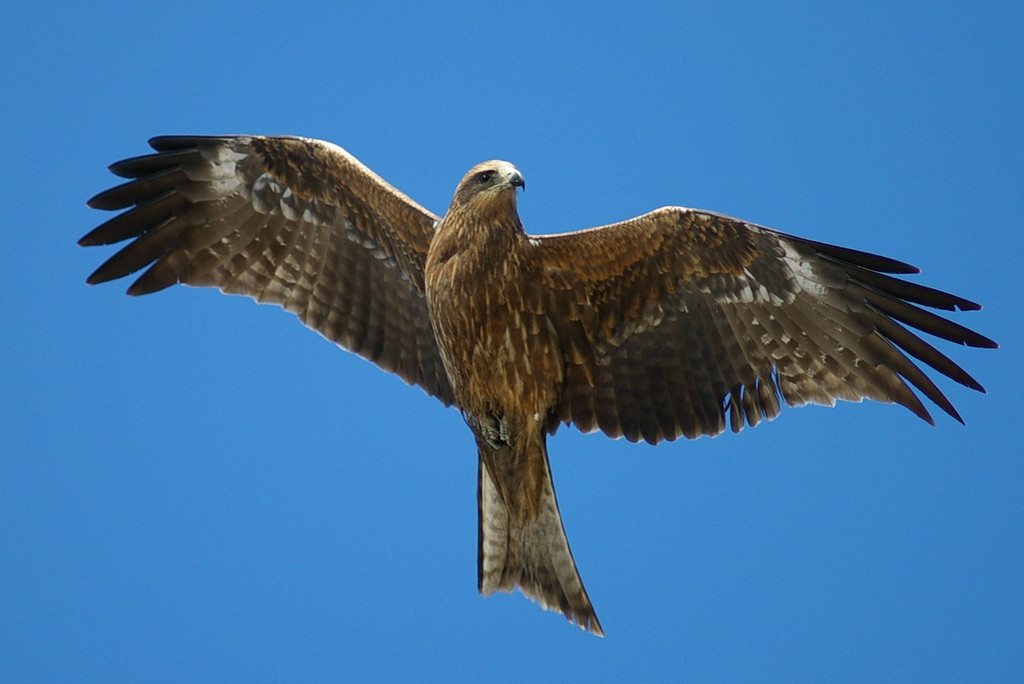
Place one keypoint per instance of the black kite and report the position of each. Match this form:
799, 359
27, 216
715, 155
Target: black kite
675, 323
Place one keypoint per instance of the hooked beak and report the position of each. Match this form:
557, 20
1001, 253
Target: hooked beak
516, 180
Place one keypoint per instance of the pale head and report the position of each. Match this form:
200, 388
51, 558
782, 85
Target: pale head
488, 181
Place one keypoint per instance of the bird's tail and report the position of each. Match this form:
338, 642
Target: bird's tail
521, 539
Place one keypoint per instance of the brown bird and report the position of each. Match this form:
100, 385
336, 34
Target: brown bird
676, 323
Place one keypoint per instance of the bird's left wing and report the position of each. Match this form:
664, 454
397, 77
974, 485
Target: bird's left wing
290, 221
684, 322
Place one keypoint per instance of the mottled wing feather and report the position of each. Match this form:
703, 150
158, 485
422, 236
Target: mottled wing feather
289, 221
683, 322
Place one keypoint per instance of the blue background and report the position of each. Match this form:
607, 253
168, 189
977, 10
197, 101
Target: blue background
195, 487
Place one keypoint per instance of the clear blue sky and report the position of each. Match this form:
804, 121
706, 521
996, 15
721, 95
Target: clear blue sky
195, 487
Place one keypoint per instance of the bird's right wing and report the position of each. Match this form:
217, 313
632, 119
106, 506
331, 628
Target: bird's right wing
290, 221
683, 323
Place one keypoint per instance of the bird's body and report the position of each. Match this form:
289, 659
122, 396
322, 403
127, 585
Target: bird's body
679, 322
504, 362
498, 352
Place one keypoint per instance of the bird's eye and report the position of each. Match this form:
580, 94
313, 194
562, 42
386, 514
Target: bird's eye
484, 177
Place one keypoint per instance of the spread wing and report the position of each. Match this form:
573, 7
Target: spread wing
289, 221
683, 322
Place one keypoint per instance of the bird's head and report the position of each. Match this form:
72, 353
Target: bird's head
490, 184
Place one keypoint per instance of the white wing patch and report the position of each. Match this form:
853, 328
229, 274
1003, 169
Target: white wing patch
803, 273
265, 193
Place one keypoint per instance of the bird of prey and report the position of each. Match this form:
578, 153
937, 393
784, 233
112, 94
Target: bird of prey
679, 322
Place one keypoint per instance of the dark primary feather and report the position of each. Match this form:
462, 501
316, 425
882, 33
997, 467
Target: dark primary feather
290, 221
